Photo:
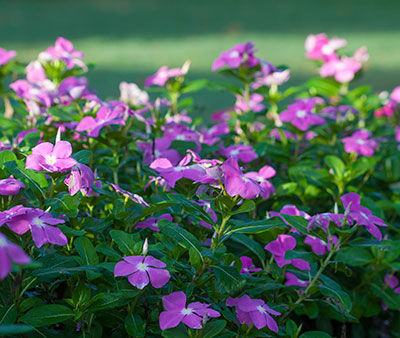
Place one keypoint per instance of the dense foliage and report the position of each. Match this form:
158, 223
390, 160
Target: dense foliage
130, 217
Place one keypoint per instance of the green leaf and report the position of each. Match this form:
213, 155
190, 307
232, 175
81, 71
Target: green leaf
135, 326
83, 156
251, 244
86, 250
7, 156
354, 256
183, 237
336, 164
213, 328
12, 329
177, 332
106, 301
323, 86
297, 222
388, 296
228, 276
124, 241
182, 146
246, 206
195, 86
65, 204
256, 227
315, 334
342, 296
47, 315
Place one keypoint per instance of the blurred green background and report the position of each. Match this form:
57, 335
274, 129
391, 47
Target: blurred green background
129, 40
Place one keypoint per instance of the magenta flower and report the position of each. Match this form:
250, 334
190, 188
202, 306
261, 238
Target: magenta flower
80, 178
387, 110
360, 143
241, 54
252, 103
10, 252
319, 246
33, 92
289, 209
10, 186
293, 280
299, 114
343, 70
6, 56
51, 158
236, 183
254, 311
104, 117
152, 222
362, 215
176, 312
160, 150
171, 174
240, 152
212, 135
41, 224
248, 266
72, 88
279, 247
262, 177
141, 270
395, 95
270, 76
133, 197
323, 220
10, 214
162, 75
64, 50
392, 282
319, 47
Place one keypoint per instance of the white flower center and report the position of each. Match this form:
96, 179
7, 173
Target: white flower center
234, 54
181, 137
37, 221
3, 242
142, 266
245, 179
261, 309
51, 159
234, 152
187, 311
301, 113
360, 142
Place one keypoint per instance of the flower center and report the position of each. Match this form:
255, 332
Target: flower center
142, 266
261, 309
51, 159
234, 152
360, 142
301, 113
234, 54
181, 137
3, 242
37, 221
187, 311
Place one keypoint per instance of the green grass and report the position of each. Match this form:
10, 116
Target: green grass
129, 40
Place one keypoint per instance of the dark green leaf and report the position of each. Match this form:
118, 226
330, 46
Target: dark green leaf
47, 315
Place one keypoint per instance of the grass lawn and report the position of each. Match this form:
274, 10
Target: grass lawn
129, 40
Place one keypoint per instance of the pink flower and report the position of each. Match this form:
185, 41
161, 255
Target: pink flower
6, 56
141, 270
254, 311
10, 252
236, 183
299, 114
81, 178
31, 91
387, 110
293, 280
176, 312
270, 75
51, 158
342, 69
279, 247
362, 215
360, 143
151, 223
241, 54
133, 197
162, 75
131, 94
248, 266
319, 246
104, 117
392, 281
41, 224
10, 186
240, 152
72, 88
64, 50
395, 95
262, 177
319, 47
253, 103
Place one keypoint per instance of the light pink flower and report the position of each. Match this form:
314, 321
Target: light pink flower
360, 143
162, 75
319, 47
6, 56
343, 70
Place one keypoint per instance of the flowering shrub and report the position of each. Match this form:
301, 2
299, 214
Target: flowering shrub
127, 218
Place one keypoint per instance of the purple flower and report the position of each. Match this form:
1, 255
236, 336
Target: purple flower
81, 178
162, 75
319, 246
254, 311
10, 252
392, 282
41, 224
33, 92
209, 211
51, 158
10, 186
6, 55
151, 223
160, 150
362, 215
211, 136
241, 54
360, 143
342, 69
8, 215
293, 280
289, 209
192, 315
252, 103
248, 266
240, 152
72, 88
279, 247
104, 117
262, 177
236, 183
339, 113
269, 76
299, 114
133, 197
64, 50
141, 270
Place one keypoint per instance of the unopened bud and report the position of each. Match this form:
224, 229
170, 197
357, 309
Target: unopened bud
145, 247
58, 137
205, 319
185, 67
